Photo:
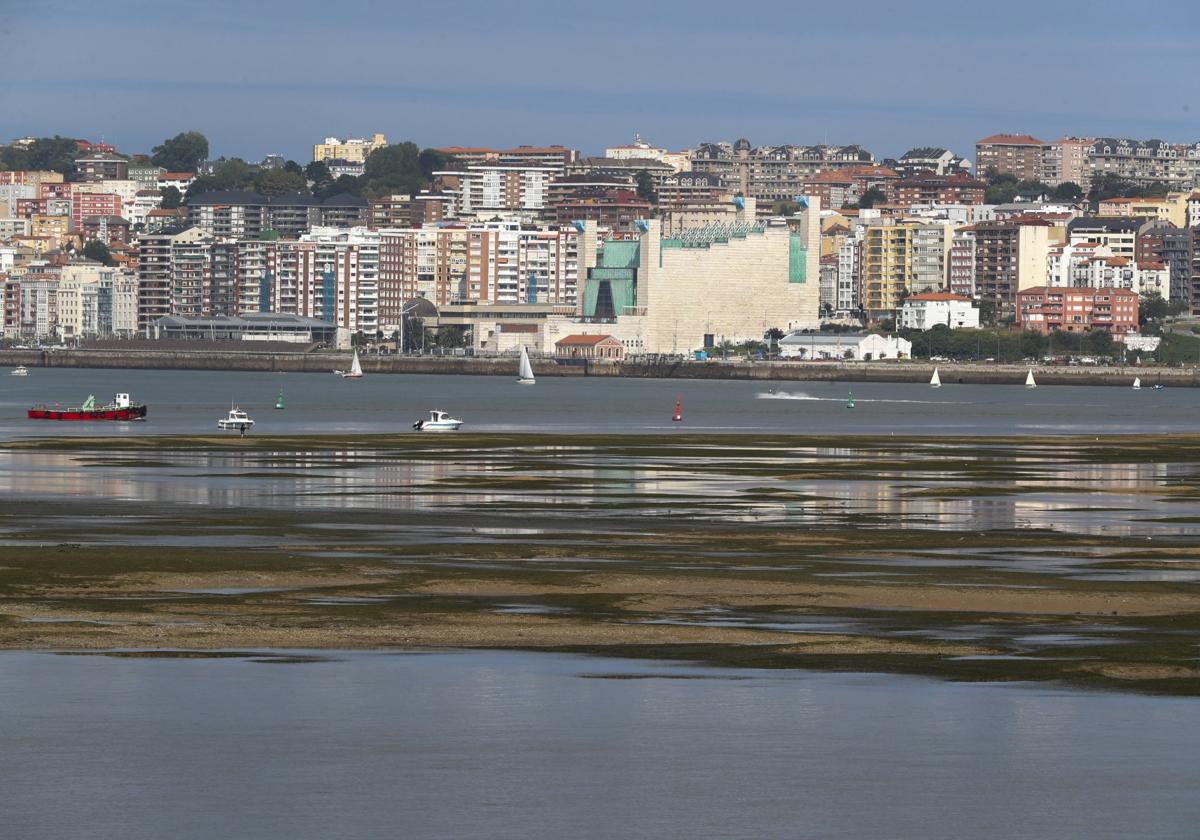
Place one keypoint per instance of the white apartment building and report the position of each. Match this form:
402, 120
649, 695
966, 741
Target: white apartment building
95, 300
848, 294
331, 274
925, 311
487, 190
960, 271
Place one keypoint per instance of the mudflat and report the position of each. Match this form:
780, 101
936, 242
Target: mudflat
1073, 559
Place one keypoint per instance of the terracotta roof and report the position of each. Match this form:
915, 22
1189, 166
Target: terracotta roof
1010, 140
1152, 265
176, 176
937, 296
582, 340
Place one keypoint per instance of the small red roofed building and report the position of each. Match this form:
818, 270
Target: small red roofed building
1044, 309
939, 189
589, 347
924, 311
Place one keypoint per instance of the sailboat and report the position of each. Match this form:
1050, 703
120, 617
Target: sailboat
525, 373
279, 399
935, 381
1137, 383
355, 371
1029, 381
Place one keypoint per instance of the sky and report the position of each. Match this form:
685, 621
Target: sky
265, 76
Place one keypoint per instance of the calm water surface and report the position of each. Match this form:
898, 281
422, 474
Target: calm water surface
190, 402
487, 744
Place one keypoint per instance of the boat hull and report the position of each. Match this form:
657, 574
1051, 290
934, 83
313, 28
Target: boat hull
133, 412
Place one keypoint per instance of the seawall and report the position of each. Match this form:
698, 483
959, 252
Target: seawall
971, 374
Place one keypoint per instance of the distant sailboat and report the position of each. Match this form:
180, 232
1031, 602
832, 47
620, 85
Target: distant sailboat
525, 373
355, 371
279, 399
935, 381
677, 417
1029, 381
1137, 383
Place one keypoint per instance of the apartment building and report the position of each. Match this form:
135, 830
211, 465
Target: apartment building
930, 309
1016, 154
932, 160
1067, 160
402, 210
96, 301
1146, 162
848, 297
31, 306
1010, 255
960, 262
909, 257
156, 273
331, 274
84, 204
354, 150
938, 189
845, 186
772, 173
228, 214
101, 166
558, 158
1119, 234
1171, 208
487, 190
1046, 309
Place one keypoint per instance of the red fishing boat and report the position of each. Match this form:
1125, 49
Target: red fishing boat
119, 409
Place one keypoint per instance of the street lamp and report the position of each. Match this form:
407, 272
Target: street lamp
403, 309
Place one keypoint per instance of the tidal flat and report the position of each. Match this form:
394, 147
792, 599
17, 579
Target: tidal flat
1073, 559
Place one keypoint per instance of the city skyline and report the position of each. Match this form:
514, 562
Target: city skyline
892, 80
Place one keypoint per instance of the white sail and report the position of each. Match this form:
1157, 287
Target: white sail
935, 381
1137, 382
1029, 382
355, 367
525, 375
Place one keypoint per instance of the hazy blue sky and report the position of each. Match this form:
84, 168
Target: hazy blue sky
260, 76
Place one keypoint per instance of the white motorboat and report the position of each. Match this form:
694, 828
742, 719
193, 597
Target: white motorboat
1029, 381
439, 421
19, 370
355, 371
1137, 383
525, 373
237, 421
935, 381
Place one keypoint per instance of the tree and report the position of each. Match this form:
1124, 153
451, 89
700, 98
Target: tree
271, 182
645, 187
344, 184
293, 167
987, 312
784, 207
234, 174
432, 160
203, 184
55, 154
182, 153
318, 172
171, 197
394, 168
98, 251
1068, 191
871, 196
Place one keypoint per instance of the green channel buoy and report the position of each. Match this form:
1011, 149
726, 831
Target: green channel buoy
850, 400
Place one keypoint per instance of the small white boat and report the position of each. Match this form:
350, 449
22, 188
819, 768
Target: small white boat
439, 421
1029, 381
237, 421
355, 371
935, 381
1137, 383
525, 373
19, 370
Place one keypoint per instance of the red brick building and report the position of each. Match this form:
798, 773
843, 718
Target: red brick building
1017, 154
940, 189
603, 347
1043, 309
